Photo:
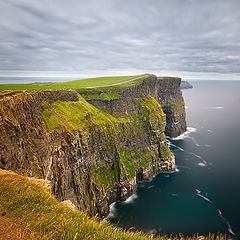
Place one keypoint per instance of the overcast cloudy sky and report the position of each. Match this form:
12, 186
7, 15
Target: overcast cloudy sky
186, 38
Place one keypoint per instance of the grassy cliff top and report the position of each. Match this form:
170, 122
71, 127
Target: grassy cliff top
83, 83
31, 206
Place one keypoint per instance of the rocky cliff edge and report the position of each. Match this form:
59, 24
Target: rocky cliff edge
94, 150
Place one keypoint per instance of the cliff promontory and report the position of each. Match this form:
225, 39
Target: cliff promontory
93, 145
185, 85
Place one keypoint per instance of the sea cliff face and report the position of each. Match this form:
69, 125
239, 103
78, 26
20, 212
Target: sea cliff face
165, 90
93, 152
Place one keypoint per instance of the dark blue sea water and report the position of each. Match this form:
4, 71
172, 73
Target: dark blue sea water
204, 194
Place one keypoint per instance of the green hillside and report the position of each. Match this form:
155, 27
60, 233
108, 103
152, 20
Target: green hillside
89, 82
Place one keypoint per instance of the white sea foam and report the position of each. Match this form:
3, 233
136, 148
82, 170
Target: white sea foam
185, 134
215, 107
191, 129
206, 145
131, 199
201, 164
205, 198
204, 163
194, 141
218, 210
197, 190
112, 212
200, 195
226, 221
210, 131
166, 175
175, 146
181, 166
194, 154
112, 208
177, 169
181, 137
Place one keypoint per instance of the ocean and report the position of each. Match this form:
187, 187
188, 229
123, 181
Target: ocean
203, 195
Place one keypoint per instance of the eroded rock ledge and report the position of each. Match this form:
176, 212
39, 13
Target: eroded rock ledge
93, 152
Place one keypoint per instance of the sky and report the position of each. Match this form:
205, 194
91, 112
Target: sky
191, 39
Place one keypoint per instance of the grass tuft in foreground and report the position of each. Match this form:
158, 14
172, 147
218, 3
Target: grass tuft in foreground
34, 207
36, 210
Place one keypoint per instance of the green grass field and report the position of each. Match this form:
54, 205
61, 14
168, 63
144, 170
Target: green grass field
90, 82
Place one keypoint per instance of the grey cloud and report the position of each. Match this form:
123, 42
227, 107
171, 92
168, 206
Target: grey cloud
100, 35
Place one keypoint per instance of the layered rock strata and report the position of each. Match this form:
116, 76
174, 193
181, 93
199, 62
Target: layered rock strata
94, 152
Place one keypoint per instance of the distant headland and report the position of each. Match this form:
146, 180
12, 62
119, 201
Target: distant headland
185, 85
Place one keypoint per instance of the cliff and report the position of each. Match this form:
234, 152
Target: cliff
165, 90
185, 85
95, 151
